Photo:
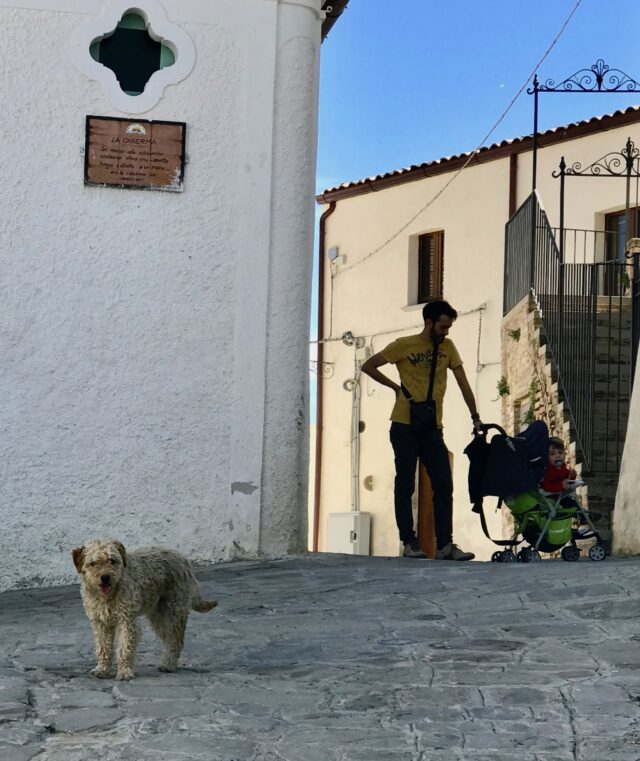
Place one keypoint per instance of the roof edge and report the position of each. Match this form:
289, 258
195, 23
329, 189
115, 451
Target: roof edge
333, 12
571, 131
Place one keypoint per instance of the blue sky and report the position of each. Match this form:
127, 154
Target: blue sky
409, 81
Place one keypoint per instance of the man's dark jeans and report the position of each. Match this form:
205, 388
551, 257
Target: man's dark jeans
430, 448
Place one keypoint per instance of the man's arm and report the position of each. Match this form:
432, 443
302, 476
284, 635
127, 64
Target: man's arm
467, 394
370, 368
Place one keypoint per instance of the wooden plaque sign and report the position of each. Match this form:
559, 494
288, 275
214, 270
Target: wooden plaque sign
128, 153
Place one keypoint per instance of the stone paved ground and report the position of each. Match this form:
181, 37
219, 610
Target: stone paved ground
327, 658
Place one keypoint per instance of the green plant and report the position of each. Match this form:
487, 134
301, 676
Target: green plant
503, 387
530, 414
533, 391
515, 334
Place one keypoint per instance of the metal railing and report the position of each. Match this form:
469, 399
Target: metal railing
613, 367
586, 309
579, 246
518, 254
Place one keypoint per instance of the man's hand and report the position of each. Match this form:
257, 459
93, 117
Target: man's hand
370, 368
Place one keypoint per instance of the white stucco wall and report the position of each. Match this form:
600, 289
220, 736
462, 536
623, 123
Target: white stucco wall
370, 294
587, 199
626, 526
140, 398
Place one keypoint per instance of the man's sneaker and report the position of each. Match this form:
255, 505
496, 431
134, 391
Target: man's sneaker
453, 552
412, 550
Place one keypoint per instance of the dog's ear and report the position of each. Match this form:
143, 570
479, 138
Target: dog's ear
78, 558
122, 551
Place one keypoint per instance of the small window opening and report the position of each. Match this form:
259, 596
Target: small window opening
131, 53
430, 266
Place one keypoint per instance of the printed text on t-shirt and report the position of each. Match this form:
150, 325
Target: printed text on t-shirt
421, 358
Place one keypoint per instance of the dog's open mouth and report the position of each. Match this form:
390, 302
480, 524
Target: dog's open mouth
105, 588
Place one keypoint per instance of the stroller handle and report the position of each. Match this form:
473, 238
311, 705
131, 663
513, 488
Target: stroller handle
486, 427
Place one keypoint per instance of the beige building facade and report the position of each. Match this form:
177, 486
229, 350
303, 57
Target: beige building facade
371, 237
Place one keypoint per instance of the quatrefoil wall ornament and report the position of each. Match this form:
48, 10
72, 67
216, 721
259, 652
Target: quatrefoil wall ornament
132, 81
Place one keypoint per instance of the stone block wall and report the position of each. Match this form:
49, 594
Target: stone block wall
530, 388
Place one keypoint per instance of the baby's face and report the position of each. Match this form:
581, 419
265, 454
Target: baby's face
556, 456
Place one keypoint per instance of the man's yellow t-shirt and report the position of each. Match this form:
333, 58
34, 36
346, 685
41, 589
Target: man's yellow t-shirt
412, 356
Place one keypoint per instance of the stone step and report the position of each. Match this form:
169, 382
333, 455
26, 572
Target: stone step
603, 480
615, 422
607, 441
607, 387
615, 405
617, 302
534, 319
601, 492
615, 318
618, 329
604, 357
615, 354
612, 328
604, 303
601, 396
599, 462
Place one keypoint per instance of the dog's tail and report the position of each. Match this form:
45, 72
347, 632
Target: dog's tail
203, 606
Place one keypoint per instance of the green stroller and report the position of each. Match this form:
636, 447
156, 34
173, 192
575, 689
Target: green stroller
511, 469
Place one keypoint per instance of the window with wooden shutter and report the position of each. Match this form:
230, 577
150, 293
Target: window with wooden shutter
430, 266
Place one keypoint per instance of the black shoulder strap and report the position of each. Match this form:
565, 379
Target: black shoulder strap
483, 523
434, 363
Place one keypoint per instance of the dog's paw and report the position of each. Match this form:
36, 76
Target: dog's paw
168, 666
125, 675
101, 672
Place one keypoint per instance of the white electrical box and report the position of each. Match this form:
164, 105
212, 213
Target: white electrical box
349, 533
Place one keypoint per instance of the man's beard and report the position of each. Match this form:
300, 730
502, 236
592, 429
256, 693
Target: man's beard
435, 338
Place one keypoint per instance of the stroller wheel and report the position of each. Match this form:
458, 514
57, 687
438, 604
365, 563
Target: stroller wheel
496, 557
528, 555
597, 552
508, 556
570, 554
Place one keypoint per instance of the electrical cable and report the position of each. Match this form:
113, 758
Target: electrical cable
373, 336
474, 152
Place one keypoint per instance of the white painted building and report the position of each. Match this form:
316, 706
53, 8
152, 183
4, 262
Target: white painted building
154, 369
372, 232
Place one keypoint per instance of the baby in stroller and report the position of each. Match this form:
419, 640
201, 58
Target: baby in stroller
557, 476
529, 474
560, 481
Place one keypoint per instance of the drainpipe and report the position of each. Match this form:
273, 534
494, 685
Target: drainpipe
318, 460
353, 385
355, 446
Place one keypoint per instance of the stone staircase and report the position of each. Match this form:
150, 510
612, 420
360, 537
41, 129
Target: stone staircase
612, 384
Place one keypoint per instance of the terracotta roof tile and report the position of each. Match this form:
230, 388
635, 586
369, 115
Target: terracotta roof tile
485, 153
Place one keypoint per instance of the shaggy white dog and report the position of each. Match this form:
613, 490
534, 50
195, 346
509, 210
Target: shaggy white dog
118, 586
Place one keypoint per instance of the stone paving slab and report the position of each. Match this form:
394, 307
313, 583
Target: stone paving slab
330, 658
